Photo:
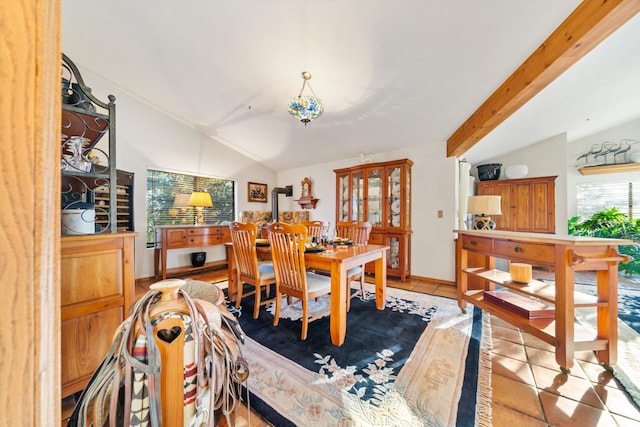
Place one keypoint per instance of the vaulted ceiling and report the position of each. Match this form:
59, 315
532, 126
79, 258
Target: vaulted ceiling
392, 74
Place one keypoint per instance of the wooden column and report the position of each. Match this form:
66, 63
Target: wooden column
29, 218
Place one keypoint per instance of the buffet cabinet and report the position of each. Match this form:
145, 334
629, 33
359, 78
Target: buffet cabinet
170, 237
519, 303
381, 194
97, 288
527, 204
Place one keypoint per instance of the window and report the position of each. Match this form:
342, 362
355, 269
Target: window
168, 200
595, 197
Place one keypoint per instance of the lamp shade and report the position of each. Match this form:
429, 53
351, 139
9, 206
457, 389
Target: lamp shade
200, 199
484, 205
306, 108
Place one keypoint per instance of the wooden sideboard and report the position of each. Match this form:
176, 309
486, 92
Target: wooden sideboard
566, 255
168, 237
97, 287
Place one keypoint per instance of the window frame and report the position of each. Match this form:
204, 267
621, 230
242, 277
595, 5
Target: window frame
163, 184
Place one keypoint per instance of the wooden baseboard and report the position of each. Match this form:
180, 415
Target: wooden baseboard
370, 279
429, 279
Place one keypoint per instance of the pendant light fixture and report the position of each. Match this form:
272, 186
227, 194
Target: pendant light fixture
306, 108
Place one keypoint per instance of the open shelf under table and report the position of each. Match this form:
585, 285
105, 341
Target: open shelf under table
585, 338
543, 290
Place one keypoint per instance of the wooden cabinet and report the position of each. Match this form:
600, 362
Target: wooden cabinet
170, 237
97, 288
381, 194
124, 202
565, 255
527, 204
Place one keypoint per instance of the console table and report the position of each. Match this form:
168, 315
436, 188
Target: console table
565, 255
170, 237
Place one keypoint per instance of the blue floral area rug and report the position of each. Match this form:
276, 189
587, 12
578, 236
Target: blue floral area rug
419, 362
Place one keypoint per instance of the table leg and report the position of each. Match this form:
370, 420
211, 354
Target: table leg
462, 261
607, 318
565, 312
381, 280
339, 290
164, 263
231, 275
156, 262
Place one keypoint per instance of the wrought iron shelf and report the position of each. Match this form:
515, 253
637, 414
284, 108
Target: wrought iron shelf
620, 167
87, 161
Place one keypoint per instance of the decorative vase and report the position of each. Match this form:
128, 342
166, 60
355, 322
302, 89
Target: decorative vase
516, 171
489, 171
198, 259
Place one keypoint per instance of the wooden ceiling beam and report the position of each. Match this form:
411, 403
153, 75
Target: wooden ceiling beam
590, 23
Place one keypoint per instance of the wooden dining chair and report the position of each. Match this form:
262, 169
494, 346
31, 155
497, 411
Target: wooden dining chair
292, 279
358, 232
317, 228
248, 270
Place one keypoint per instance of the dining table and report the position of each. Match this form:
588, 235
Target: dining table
336, 260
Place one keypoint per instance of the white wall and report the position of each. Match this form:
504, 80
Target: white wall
434, 177
546, 158
146, 137
630, 130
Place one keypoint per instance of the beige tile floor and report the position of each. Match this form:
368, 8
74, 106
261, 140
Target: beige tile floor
528, 387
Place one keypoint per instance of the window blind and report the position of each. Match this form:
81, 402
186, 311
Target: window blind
168, 200
595, 197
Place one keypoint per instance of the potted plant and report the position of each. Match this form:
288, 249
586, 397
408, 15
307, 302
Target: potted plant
612, 223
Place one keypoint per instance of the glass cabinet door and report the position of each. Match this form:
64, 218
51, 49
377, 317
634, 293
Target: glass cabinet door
374, 196
407, 198
343, 197
393, 260
395, 197
357, 196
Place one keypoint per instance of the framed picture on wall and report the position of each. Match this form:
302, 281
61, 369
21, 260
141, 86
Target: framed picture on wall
257, 192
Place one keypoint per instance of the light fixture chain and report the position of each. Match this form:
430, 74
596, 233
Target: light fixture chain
304, 82
310, 88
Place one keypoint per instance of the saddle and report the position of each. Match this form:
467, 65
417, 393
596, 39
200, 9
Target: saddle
175, 361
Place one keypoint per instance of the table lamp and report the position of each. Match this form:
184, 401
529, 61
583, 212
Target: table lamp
483, 206
200, 200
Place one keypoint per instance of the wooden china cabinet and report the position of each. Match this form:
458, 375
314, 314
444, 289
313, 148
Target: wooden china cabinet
527, 204
381, 194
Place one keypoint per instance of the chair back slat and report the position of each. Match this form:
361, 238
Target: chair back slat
317, 229
243, 237
356, 231
287, 249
